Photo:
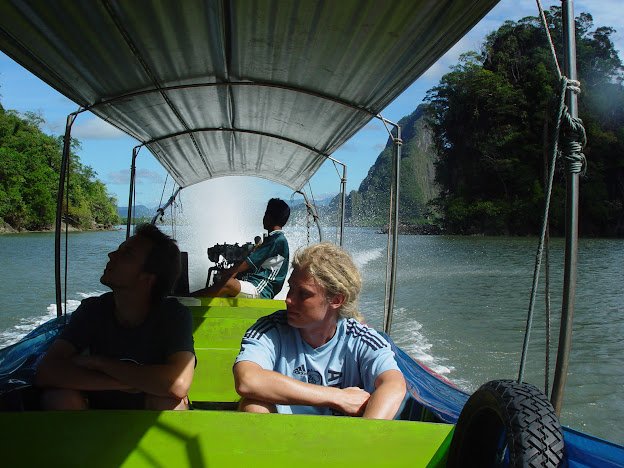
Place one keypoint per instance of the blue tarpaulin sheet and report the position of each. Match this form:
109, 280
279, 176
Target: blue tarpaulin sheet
445, 400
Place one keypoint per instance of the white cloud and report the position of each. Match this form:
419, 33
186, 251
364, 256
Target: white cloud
373, 126
142, 175
350, 147
95, 128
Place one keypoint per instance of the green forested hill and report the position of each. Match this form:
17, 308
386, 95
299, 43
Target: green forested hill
368, 206
473, 156
29, 173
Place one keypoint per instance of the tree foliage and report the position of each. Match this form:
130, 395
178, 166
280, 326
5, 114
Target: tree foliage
29, 172
492, 116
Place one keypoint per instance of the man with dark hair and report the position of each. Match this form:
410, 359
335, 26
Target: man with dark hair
263, 272
131, 348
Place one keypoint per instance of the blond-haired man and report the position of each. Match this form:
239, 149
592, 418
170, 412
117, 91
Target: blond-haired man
316, 357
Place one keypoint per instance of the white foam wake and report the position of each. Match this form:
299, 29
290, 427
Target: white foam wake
363, 257
28, 324
413, 341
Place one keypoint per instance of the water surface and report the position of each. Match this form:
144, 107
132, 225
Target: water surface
460, 308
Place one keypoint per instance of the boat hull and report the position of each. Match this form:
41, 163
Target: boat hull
209, 435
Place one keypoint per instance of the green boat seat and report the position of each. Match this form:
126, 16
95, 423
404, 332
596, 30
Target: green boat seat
218, 327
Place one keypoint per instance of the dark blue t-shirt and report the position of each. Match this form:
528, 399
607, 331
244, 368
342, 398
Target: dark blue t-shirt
167, 329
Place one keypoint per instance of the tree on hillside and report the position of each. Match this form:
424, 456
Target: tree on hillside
492, 114
29, 171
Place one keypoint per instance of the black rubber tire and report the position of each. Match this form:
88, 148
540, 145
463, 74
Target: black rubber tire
505, 423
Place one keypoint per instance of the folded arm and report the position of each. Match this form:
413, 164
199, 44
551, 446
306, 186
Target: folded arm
171, 379
62, 367
387, 397
256, 383
59, 369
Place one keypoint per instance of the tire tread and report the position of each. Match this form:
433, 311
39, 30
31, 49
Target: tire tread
533, 433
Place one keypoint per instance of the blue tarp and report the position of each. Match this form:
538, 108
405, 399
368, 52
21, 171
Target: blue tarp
446, 401
439, 396
18, 361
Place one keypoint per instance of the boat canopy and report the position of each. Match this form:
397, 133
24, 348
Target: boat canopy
267, 88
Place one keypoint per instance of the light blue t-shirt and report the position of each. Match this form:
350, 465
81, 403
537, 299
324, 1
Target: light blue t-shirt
354, 357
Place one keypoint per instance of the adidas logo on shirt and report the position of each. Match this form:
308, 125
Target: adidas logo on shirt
301, 370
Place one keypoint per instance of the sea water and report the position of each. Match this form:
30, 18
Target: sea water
460, 308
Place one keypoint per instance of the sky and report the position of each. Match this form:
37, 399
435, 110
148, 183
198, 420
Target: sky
108, 151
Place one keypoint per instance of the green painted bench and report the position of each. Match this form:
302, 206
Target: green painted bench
218, 327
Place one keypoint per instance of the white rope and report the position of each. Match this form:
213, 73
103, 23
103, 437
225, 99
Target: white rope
549, 37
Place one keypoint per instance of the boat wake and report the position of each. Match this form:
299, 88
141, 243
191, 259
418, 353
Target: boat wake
72, 304
28, 324
412, 340
25, 326
363, 257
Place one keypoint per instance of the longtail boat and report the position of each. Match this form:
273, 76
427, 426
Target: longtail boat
271, 89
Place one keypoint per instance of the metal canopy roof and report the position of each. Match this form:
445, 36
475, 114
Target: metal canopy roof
234, 87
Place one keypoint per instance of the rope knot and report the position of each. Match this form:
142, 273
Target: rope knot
573, 140
573, 85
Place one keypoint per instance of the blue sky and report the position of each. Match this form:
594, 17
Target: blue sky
108, 151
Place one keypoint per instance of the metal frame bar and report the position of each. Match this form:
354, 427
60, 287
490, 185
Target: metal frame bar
237, 130
64, 173
135, 153
572, 198
161, 211
343, 199
393, 231
295, 89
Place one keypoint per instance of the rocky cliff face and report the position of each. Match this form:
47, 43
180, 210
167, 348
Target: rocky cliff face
368, 206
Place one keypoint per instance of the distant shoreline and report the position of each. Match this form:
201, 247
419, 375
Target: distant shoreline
7, 229
414, 229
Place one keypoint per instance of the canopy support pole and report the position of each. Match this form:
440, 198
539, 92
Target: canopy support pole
393, 229
312, 210
343, 199
343, 196
161, 211
135, 153
64, 172
571, 245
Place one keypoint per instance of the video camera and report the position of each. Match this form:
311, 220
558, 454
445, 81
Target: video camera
227, 255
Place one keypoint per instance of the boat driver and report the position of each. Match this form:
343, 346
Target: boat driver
316, 357
131, 348
263, 272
